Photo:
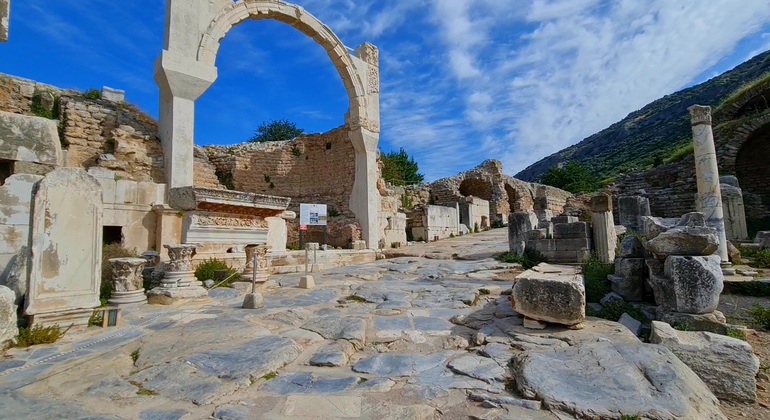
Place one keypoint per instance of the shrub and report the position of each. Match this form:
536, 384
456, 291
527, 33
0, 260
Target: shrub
111, 251
92, 94
595, 275
207, 269
38, 334
475, 228
614, 310
530, 258
761, 316
575, 177
761, 259
751, 288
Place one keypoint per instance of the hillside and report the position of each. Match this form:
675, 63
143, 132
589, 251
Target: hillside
652, 133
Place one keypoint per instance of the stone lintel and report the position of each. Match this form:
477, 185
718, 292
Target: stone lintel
226, 201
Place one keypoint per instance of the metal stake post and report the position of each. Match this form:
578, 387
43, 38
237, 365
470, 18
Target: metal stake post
307, 257
254, 274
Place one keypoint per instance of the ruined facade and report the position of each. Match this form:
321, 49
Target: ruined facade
505, 193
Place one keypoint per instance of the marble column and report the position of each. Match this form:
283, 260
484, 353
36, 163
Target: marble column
260, 251
127, 282
605, 238
709, 200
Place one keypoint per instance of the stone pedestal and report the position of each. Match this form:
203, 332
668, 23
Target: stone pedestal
258, 253
709, 200
519, 223
253, 301
733, 209
605, 239
306, 282
631, 210
179, 281
127, 282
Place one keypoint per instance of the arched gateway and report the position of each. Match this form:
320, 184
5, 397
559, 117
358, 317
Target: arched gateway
186, 68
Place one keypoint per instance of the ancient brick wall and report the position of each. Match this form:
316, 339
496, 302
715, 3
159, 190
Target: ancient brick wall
94, 132
315, 168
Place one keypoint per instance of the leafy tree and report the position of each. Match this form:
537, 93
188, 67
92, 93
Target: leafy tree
400, 169
276, 130
573, 177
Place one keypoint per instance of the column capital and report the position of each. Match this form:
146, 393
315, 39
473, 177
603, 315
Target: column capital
700, 114
182, 76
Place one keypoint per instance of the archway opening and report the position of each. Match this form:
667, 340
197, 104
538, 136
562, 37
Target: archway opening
514, 203
477, 188
752, 167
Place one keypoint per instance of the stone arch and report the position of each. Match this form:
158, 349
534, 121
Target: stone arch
730, 143
303, 21
477, 188
752, 168
186, 69
754, 99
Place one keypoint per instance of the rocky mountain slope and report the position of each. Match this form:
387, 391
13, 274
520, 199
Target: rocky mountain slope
652, 134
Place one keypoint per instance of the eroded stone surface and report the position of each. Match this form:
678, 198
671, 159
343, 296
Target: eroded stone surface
727, 365
550, 293
608, 379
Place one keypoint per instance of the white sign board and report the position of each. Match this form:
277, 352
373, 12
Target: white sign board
312, 214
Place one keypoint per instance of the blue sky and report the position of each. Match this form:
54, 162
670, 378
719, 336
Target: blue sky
462, 80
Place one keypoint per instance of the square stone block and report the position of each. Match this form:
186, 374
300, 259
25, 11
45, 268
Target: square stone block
542, 245
601, 203
576, 230
564, 219
573, 244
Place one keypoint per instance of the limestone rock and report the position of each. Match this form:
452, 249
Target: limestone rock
714, 322
482, 368
654, 226
29, 139
693, 219
17, 276
604, 380
8, 330
689, 284
684, 240
550, 293
727, 365
632, 324
336, 328
631, 247
335, 354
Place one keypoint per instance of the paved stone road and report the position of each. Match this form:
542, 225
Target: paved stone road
403, 338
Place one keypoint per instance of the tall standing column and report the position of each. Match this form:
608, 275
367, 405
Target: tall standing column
709, 200
605, 238
5, 11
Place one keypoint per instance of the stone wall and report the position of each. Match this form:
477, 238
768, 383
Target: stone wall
93, 132
315, 168
431, 223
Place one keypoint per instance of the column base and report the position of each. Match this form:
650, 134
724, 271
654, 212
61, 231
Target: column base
178, 279
75, 317
132, 298
164, 296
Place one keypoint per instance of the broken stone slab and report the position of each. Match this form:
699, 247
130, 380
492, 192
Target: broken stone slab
392, 365
727, 365
689, 284
478, 367
504, 400
631, 247
550, 293
29, 139
631, 210
308, 383
499, 352
714, 322
631, 323
338, 327
605, 380
654, 226
685, 241
610, 297
231, 412
334, 354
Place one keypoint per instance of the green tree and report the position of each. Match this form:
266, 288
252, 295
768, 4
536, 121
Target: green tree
400, 169
573, 177
276, 130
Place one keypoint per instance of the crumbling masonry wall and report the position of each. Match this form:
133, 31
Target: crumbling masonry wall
315, 168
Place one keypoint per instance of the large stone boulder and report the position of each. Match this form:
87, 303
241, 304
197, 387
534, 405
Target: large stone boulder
727, 365
604, 380
550, 293
689, 284
8, 329
654, 226
684, 240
